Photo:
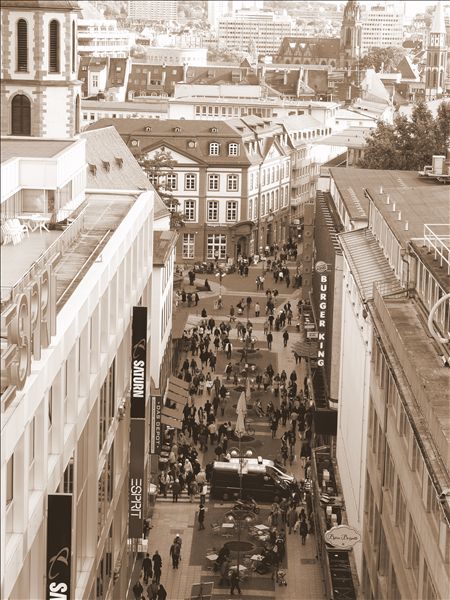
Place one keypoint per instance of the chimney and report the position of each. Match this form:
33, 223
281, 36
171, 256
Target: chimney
406, 226
399, 217
381, 189
388, 199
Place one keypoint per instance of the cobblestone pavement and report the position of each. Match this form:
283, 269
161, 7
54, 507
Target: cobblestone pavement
304, 576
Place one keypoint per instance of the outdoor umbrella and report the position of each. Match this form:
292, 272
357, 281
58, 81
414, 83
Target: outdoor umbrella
241, 411
248, 392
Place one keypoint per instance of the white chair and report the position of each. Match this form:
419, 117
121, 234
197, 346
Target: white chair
20, 226
12, 233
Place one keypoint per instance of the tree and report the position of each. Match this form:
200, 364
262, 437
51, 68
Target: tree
409, 143
382, 59
158, 170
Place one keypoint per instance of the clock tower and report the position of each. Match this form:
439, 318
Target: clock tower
40, 91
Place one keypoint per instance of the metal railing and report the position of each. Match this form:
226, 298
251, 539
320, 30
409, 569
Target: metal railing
437, 240
58, 247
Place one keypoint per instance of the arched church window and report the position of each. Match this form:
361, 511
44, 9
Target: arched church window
20, 115
22, 45
53, 47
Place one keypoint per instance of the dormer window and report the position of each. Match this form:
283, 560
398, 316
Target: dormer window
233, 149
214, 149
214, 130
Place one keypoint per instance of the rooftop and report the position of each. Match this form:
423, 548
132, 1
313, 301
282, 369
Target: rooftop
352, 137
353, 182
163, 243
12, 147
414, 201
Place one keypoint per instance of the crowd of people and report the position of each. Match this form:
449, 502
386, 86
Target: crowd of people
204, 422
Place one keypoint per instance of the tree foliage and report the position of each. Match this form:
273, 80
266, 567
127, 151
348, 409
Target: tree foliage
157, 169
382, 59
409, 143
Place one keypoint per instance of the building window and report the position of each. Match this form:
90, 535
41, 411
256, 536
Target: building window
214, 149
390, 471
250, 208
188, 245
413, 550
95, 81
233, 149
22, 46
232, 183
53, 55
213, 210
10, 481
213, 183
232, 207
189, 210
20, 115
400, 510
74, 47
171, 181
217, 246
190, 181
429, 591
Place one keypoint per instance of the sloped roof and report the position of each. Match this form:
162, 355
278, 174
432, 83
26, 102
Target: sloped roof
163, 242
106, 146
407, 69
367, 262
64, 5
316, 47
164, 132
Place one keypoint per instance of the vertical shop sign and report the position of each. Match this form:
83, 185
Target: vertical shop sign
155, 424
59, 546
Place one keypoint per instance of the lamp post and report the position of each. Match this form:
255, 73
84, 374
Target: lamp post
242, 470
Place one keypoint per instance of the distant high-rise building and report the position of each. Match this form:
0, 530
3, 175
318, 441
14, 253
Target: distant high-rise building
436, 56
252, 28
216, 9
350, 43
382, 26
153, 10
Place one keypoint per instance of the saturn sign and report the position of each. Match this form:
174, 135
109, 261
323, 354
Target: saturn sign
342, 536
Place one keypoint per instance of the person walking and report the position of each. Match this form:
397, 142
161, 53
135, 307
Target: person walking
175, 555
303, 529
152, 590
162, 593
137, 590
285, 337
269, 339
201, 517
157, 565
147, 568
257, 309
234, 582
292, 518
176, 489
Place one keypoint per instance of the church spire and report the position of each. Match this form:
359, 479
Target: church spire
350, 44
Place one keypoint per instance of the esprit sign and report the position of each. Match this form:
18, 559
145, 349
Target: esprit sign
342, 536
138, 361
322, 319
59, 546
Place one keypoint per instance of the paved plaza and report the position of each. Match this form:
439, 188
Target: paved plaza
304, 576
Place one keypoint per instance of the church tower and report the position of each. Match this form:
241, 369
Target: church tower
350, 46
436, 56
40, 91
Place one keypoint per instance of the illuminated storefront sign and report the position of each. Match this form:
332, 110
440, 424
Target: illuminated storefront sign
322, 319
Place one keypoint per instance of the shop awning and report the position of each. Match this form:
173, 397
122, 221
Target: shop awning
176, 397
306, 348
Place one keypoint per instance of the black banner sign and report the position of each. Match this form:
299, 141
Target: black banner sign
155, 424
136, 487
138, 361
59, 546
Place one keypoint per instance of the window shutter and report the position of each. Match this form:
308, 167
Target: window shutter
53, 65
22, 45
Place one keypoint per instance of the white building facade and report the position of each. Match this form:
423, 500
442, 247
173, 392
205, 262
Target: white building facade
382, 27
